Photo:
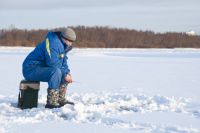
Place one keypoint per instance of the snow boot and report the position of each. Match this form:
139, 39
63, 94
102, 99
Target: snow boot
52, 99
62, 92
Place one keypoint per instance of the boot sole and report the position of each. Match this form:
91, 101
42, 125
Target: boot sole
70, 103
52, 106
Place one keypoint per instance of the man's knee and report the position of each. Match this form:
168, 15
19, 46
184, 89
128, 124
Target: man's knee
57, 72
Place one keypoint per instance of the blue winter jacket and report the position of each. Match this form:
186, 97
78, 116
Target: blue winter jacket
49, 53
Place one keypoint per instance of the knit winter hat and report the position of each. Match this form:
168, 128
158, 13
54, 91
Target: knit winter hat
69, 34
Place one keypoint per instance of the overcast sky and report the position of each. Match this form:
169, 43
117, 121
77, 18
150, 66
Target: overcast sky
155, 15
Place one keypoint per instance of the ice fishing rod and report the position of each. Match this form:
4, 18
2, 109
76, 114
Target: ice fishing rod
76, 82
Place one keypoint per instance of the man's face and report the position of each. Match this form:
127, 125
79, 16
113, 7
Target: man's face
67, 42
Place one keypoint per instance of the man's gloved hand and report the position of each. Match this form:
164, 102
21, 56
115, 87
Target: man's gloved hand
68, 78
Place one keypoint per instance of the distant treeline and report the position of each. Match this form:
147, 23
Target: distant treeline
104, 37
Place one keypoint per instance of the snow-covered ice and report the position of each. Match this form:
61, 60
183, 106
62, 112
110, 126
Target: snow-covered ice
116, 90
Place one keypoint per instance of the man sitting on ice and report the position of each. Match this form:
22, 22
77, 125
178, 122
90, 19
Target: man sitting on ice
48, 63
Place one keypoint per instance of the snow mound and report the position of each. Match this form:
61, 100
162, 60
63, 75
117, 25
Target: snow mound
102, 108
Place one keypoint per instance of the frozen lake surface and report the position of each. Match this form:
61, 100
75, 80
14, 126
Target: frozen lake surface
129, 90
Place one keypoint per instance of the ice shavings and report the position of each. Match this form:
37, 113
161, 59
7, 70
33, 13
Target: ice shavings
99, 109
